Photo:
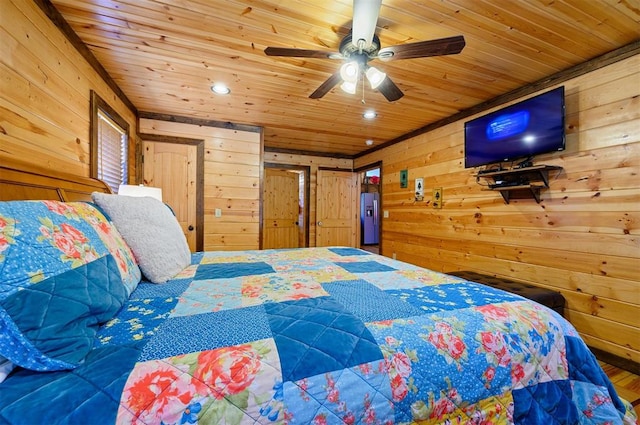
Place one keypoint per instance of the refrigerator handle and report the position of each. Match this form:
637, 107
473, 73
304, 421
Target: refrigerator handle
375, 211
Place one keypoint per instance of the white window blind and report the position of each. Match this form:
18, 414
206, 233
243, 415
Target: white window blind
112, 152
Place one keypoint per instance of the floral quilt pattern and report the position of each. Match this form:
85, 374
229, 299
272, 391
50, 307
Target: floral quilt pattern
54, 237
340, 336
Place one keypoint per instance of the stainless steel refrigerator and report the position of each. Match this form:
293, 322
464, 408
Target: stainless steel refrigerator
370, 218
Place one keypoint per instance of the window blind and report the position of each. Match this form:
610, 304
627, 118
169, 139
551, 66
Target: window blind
112, 152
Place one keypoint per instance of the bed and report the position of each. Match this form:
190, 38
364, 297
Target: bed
327, 335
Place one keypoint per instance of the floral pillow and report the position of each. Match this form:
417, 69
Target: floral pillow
64, 269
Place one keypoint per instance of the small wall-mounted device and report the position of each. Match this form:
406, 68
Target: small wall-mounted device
436, 198
419, 189
404, 179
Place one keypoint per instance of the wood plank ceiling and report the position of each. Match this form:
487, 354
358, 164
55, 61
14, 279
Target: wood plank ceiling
165, 55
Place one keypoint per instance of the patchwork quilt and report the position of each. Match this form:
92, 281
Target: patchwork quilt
321, 336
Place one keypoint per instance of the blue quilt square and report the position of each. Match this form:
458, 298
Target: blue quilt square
368, 302
307, 401
545, 402
228, 270
51, 324
583, 365
204, 296
137, 321
346, 252
365, 267
189, 334
452, 296
165, 290
97, 384
317, 335
196, 257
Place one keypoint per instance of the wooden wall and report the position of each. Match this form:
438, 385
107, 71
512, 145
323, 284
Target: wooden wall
582, 239
232, 172
45, 93
314, 163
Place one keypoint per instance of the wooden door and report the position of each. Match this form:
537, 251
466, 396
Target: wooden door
336, 208
173, 167
280, 209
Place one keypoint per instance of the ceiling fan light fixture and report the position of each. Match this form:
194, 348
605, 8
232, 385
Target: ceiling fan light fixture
361, 45
349, 72
375, 77
348, 87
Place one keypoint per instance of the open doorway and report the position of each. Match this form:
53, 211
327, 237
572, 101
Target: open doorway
370, 212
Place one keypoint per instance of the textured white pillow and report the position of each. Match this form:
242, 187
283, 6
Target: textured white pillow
151, 231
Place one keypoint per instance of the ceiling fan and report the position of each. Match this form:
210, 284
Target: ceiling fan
362, 45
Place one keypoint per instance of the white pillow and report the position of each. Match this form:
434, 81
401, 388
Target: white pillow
151, 231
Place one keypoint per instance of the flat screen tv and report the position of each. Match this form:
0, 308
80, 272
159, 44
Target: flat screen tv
522, 130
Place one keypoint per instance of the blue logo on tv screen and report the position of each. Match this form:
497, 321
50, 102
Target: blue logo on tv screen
507, 125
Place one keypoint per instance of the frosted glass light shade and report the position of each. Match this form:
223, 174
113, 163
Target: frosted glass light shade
375, 77
133, 190
349, 72
348, 87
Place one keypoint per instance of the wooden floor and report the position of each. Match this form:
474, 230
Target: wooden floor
371, 248
626, 383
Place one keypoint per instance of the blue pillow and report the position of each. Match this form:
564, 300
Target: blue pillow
64, 270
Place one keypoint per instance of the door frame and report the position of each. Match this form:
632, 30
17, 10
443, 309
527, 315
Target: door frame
307, 193
199, 144
361, 170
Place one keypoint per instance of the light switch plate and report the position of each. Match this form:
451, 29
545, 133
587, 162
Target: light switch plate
436, 198
419, 189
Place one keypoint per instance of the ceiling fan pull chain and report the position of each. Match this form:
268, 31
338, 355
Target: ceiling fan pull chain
363, 102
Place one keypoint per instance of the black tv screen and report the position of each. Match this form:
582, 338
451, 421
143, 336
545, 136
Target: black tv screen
531, 127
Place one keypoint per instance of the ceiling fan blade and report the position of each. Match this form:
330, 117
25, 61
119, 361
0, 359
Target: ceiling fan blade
301, 53
423, 49
326, 86
365, 19
389, 89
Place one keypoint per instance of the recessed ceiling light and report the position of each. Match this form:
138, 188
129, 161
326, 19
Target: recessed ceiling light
370, 114
369, 142
220, 88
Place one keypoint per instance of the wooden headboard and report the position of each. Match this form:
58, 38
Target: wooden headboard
22, 183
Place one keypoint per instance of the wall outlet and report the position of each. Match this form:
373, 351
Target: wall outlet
217, 212
436, 197
385, 214
394, 255
419, 189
